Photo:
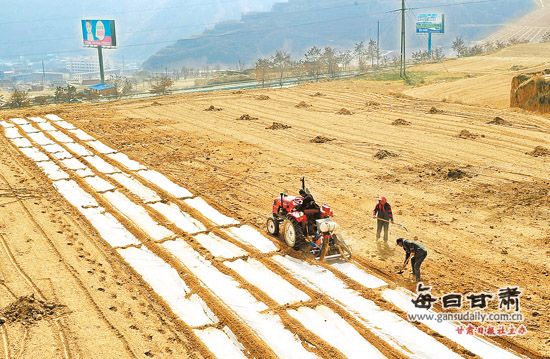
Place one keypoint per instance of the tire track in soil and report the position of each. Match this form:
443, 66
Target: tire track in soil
5, 343
35, 289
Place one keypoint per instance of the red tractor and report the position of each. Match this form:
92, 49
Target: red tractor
308, 228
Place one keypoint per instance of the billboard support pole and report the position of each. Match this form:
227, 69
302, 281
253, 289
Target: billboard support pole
403, 56
100, 55
430, 44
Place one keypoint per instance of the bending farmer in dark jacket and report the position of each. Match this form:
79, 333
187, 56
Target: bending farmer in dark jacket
382, 211
416, 252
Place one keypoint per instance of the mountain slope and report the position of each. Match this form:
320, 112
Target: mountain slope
300, 24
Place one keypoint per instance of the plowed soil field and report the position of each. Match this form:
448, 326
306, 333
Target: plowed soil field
164, 253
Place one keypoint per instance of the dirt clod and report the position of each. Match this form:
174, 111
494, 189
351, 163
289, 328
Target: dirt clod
372, 103
456, 173
317, 94
247, 117
28, 310
344, 111
434, 110
213, 108
302, 105
262, 97
278, 126
384, 153
237, 92
155, 103
321, 139
499, 121
467, 134
401, 122
539, 151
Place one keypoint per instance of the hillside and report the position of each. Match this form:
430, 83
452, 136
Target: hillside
299, 24
531, 27
488, 77
142, 27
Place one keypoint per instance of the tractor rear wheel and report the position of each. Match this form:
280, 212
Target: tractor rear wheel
272, 226
293, 233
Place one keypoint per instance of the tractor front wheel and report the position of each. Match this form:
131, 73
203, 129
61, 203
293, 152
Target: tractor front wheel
293, 233
272, 226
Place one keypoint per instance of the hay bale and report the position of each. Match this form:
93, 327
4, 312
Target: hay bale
531, 91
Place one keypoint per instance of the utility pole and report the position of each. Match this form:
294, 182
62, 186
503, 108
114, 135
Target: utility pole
402, 72
378, 43
43, 76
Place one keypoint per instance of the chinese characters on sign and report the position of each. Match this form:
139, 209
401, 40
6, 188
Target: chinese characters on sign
508, 302
508, 299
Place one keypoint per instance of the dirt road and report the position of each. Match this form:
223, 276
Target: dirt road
479, 203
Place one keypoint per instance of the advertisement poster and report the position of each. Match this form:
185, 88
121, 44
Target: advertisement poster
99, 32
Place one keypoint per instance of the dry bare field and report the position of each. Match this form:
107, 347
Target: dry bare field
469, 190
487, 78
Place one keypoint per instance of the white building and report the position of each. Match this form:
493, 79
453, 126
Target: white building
86, 64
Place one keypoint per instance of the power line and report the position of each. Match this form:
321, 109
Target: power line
121, 12
273, 14
251, 31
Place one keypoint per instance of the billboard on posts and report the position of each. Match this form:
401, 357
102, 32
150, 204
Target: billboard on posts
99, 32
430, 23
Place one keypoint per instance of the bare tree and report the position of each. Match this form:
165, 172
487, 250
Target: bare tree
345, 58
19, 99
360, 54
372, 51
162, 85
459, 45
330, 61
261, 69
281, 62
127, 86
312, 61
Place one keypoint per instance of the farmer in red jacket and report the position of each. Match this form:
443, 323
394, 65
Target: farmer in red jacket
382, 211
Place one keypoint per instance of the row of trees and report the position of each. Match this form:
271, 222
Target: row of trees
329, 62
123, 86
315, 62
463, 50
